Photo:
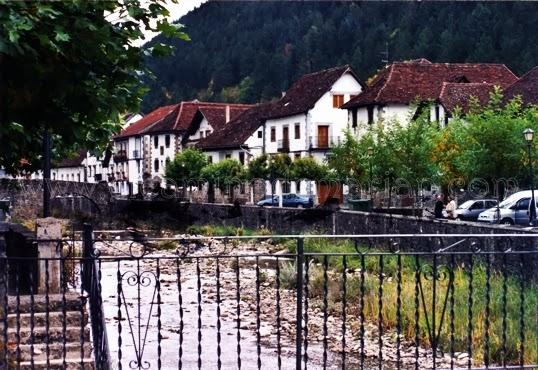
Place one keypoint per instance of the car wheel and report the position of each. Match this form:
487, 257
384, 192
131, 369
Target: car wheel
507, 221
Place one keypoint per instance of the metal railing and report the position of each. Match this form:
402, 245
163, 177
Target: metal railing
283, 145
323, 142
316, 301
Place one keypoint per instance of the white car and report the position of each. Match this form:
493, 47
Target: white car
514, 210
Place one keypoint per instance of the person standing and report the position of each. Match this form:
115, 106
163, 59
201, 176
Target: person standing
439, 206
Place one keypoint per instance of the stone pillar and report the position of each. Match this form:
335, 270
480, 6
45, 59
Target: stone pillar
50, 230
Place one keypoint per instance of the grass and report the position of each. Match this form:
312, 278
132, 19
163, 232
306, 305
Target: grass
225, 230
456, 317
384, 270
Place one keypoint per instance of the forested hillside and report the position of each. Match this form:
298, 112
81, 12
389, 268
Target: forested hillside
251, 51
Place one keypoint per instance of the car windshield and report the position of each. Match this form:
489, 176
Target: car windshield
508, 202
466, 205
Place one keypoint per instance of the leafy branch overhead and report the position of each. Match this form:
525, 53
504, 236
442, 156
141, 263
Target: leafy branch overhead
72, 68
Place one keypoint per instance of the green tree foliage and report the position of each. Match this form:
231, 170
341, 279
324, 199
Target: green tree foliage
279, 167
70, 68
306, 168
488, 143
400, 155
258, 168
241, 58
225, 175
186, 167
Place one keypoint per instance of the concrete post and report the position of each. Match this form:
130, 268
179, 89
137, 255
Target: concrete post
49, 229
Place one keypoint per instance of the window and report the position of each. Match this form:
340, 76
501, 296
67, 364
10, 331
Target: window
156, 165
273, 134
354, 122
338, 100
260, 134
437, 113
297, 131
207, 132
242, 157
167, 141
167, 161
162, 150
201, 134
209, 159
523, 204
370, 109
228, 156
156, 142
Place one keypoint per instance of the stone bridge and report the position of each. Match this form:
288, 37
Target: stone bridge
26, 197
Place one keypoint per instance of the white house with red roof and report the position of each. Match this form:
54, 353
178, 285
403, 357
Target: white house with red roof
394, 92
143, 149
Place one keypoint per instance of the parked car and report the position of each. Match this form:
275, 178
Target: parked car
514, 210
472, 208
288, 200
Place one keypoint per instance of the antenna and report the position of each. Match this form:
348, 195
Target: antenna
385, 54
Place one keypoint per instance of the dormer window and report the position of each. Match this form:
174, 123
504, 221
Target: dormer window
338, 101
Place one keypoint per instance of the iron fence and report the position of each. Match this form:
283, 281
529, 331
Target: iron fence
279, 302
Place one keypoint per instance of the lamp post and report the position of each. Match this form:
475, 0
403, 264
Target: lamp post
370, 154
528, 134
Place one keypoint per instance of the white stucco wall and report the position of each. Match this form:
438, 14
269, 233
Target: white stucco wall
68, 174
167, 153
202, 131
322, 114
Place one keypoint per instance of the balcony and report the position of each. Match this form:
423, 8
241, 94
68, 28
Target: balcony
120, 156
283, 146
323, 142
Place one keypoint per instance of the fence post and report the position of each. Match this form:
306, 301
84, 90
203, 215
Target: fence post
299, 313
3, 298
87, 254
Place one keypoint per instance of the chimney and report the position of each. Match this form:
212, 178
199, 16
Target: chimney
227, 113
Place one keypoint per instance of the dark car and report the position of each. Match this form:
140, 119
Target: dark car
288, 200
472, 208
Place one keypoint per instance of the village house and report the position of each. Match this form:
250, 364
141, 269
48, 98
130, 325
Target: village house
308, 120
142, 150
240, 139
403, 90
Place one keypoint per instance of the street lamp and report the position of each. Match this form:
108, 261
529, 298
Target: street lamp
370, 154
528, 134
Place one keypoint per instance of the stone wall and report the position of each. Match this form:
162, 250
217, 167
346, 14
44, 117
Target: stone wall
324, 221
26, 197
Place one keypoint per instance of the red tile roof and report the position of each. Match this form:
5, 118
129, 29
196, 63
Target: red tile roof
526, 87
458, 95
150, 119
237, 131
405, 82
216, 115
177, 117
306, 91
